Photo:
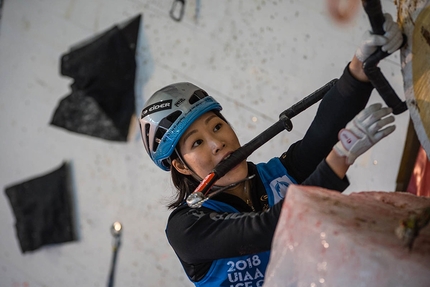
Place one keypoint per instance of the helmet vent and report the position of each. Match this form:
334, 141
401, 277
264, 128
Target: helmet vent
197, 95
170, 119
163, 126
147, 127
157, 138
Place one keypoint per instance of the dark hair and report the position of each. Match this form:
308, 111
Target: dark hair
185, 184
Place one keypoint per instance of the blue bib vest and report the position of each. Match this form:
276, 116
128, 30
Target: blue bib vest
248, 270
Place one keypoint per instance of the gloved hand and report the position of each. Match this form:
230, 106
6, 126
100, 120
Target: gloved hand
364, 131
390, 41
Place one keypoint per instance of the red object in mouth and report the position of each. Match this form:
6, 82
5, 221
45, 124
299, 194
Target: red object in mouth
207, 181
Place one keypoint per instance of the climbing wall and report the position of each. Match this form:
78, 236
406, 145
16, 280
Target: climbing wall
256, 57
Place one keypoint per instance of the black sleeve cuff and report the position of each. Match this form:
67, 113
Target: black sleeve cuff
325, 177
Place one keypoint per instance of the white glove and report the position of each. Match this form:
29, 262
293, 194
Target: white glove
364, 131
390, 41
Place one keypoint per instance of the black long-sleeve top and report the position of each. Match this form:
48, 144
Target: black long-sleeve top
199, 237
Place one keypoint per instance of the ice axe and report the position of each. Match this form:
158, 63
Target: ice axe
201, 193
376, 17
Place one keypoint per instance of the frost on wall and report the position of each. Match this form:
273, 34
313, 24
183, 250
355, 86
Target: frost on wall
43, 209
102, 101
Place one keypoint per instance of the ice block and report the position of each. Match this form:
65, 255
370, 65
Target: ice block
325, 238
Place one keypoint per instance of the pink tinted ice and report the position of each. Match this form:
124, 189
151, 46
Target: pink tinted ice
325, 238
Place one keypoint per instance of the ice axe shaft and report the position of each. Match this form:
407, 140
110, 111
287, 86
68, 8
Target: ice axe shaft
373, 10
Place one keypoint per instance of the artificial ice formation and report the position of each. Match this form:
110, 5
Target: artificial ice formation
414, 18
325, 238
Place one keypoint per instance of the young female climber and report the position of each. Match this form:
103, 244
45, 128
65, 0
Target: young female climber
227, 241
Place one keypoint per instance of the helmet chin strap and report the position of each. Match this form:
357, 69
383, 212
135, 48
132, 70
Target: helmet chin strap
194, 174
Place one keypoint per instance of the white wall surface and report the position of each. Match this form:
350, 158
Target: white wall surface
256, 57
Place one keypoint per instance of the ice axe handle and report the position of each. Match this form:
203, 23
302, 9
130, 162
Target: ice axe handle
373, 10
